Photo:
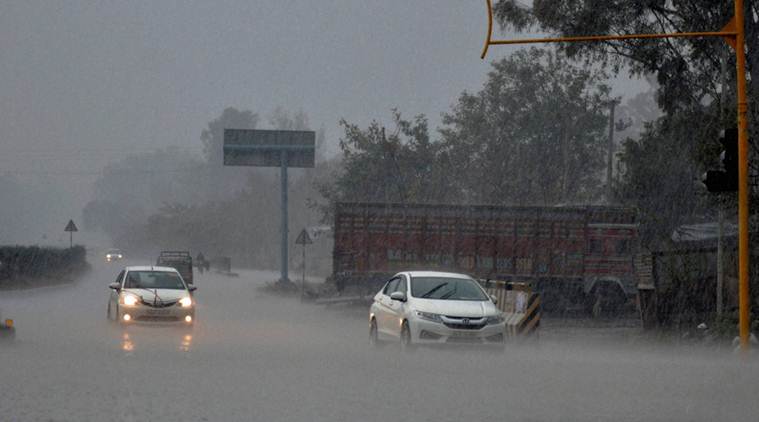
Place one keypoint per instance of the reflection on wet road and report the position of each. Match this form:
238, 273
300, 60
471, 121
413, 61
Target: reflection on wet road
256, 357
131, 341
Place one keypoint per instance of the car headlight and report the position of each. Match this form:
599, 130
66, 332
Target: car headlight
429, 316
497, 319
185, 302
129, 300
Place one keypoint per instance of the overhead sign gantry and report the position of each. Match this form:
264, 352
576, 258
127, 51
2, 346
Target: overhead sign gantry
272, 148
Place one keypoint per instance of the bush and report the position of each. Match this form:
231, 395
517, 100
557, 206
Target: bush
35, 261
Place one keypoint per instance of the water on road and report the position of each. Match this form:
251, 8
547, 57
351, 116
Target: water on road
257, 357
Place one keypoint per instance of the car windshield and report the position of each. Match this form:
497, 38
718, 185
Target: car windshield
153, 280
446, 288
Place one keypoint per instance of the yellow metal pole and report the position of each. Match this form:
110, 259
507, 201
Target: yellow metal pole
743, 291
490, 30
612, 37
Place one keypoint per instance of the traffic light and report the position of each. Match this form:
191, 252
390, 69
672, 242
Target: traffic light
725, 180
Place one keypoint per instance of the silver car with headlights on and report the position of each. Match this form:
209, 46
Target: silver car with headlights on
113, 255
425, 307
150, 293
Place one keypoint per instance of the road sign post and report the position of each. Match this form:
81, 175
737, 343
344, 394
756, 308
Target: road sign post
272, 148
71, 228
303, 239
734, 35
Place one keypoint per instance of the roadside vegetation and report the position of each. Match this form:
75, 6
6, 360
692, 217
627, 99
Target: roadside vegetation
34, 266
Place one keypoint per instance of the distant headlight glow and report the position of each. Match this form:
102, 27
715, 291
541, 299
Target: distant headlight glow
185, 302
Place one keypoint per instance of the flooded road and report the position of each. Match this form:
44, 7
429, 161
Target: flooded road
253, 356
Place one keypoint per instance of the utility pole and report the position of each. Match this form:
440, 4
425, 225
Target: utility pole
720, 215
610, 155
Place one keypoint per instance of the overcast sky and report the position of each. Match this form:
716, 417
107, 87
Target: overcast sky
86, 82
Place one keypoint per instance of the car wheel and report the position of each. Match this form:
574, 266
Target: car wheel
373, 334
406, 344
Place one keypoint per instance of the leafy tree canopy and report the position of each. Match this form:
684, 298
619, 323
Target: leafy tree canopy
687, 69
536, 134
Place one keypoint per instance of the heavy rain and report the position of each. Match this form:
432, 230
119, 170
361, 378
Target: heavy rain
337, 211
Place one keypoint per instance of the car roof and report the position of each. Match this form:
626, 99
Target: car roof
413, 274
150, 268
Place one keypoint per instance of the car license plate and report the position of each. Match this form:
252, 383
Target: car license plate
158, 311
464, 334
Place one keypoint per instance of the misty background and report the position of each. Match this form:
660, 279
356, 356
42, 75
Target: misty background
111, 110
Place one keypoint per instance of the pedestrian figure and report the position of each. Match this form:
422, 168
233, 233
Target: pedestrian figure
200, 262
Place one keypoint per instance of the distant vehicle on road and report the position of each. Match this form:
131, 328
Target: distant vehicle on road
426, 307
114, 255
151, 294
180, 260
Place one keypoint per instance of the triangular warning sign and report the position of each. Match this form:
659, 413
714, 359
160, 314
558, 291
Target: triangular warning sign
71, 227
303, 238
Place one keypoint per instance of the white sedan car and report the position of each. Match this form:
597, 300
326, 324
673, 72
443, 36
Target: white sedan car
151, 294
417, 307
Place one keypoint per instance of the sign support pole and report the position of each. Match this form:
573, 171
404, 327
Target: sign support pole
283, 178
303, 282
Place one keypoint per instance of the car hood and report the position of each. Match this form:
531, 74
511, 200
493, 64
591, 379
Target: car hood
165, 295
460, 308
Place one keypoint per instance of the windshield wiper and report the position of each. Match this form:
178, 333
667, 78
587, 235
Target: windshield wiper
434, 289
156, 298
449, 294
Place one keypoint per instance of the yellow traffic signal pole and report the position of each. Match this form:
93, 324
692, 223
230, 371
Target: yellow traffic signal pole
740, 64
734, 35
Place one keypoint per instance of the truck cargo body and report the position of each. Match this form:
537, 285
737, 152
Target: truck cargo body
564, 252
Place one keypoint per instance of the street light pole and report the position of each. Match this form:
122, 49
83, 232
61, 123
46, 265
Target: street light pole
610, 155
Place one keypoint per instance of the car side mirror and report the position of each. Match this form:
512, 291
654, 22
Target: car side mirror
192, 288
114, 286
399, 296
494, 299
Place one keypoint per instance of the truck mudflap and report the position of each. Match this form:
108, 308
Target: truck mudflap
521, 306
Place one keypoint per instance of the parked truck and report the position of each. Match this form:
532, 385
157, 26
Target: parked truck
179, 260
578, 258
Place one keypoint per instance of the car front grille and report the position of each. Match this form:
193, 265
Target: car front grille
159, 304
464, 326
464, 323
156, 318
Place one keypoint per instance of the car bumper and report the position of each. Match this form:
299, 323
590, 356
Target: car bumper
144, 313
427, 332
